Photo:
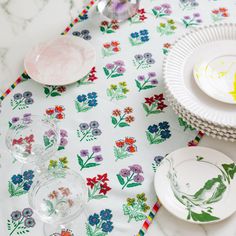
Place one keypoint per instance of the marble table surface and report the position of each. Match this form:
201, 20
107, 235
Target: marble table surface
23, 24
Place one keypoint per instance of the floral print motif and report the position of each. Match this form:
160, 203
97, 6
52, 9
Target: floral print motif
158, 133
56, 113
89, 78
188, 4
115, 69
20, 184
98, 187
26, 143
125, 148
118, 91
138, 38
148, 82
89, 132
86, 102
49, 138
192, 21
156, 163
185, 124
129, 178
162, 11
112, 48
56, 197
94, 156
100, 224
58, 165
21, 222
124, 119
154, 104
166, 48
54, 91
63, 139
143, 61
14, 123
64, 232
219, 14
109, 28
167, 28
84, 34
135, 208
139, 17
22, 101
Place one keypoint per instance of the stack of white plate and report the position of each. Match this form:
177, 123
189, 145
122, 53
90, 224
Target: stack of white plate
200, 79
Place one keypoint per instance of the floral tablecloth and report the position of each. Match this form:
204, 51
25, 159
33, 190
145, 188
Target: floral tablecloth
115, 124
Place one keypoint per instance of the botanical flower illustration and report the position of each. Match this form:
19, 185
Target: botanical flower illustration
100, 224
167, 28
166, 48
124, 148
162, 10
54, 91
25, 143
139, 17
188, 4
109, 27
86, 102
192, 21
49, 138
129, 178
83, 17
156, 163
158, 133
84, 34
154, 104
64, 232
138, 38
21, 222
89, 132
87, 160
57, 197
111, 48
89, 78
219, 14
143, 82
135, 208
118, 91
63, 139
115, 69
55, 113
57, 167
143, 61
98, 187
20, 184
122, 120
14, 123
22, 101
185, 124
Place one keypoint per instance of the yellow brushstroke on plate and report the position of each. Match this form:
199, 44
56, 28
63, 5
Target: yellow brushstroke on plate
233, 93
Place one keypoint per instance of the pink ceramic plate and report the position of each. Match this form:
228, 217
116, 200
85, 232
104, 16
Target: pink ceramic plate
61, 61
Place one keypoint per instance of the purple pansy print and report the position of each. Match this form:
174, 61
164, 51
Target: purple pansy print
132, 177
115, 69
143, 61
22, 101
146, 82
188, 4
63, 140
162, 10
192, 21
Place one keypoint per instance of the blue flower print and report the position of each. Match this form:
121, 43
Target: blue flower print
143, 32
84, 17
82, 98
92, 95
94, 219
27, 185
28, 175
165, 134
139, 38
144, 39
153, 128
92, 103
134, 35
17, 179
85, 103
106, 214
164, 125
107, 226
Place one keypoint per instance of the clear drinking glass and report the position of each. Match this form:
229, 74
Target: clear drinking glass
119, 10
33, 140
58, 198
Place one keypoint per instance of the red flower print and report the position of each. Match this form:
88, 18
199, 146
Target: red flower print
131, 149
103, 177
167, 45
60, 116
116, 112
129, 119
92, 78
215, 11
104, 188
53, 194
59, 108
120, 143
128, 110
223, 9
161, 106
106, 45
50, 111
130, 141
29, 139
115, 43
225, 14
149, 101
17, 141
91, 182
93, 70
114, 21
115, 49
104, 23
159, 97
65, 191
141, 11
142, 17
115, 27
61, 89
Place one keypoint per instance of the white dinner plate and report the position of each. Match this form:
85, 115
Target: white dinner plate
61, 61
197, 184
201, 44
217, 78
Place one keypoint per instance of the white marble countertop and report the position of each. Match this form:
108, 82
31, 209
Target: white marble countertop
23, 24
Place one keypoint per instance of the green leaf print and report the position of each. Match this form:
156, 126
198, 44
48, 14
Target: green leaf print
116, 75
113, 120
199, 158
46, 90
55, 94
203, 216
138, 84
123, 124
89, 230
121, 180
132, 185
106, 71
230, 169
139, 216
80, 160
91, 165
